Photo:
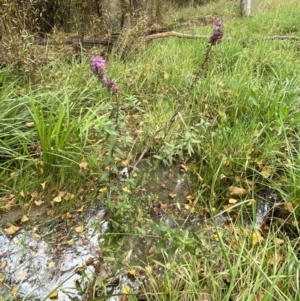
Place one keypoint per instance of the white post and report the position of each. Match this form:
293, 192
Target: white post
245, 7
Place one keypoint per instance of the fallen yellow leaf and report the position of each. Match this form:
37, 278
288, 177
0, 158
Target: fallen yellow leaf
50, 212
127, 258
54, 295
30, 124
126, 290
189, 208
126, 189
259, 295
173, 195
71, 242
256, 237
184, 167
67, 215
51, 264
190, 197
38, 203
43, 185
279, 241
289, 207
3, 264
102, 189
8, 205
2, 278
34, 195
258, 162
26, 205
80, 209
12, 230
15, 290
125, 163
267, 171
237, 191
24, 218
251, 202
237, 179
69, 196
57, 199
148, 269
79, 229
131, 272
36, 235
222, 176
83, 165
277, 259
228, 208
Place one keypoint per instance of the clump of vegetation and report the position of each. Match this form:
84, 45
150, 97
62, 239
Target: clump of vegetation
64, 137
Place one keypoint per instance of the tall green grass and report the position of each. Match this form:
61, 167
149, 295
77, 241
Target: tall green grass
239, 126
244, 117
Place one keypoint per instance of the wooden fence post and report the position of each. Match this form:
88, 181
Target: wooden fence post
245, 7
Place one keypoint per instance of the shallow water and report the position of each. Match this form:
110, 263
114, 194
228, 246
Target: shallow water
42, 265
51, 257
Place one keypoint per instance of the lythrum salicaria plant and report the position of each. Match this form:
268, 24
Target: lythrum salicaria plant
97, 65
214, 39
98, 68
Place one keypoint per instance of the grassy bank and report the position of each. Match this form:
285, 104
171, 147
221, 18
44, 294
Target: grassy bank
64, 136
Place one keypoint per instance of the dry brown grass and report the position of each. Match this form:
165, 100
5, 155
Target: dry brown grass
18, 35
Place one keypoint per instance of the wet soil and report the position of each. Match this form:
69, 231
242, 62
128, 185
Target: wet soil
48, 257
60, 257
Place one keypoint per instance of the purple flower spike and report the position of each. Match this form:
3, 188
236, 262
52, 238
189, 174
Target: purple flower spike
217, 35
105, 81
97, 64
214, 39
115, 89
218, 24
98, 67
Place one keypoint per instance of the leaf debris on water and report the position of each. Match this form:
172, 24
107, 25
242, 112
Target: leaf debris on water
3, 264
11, 230
79, 229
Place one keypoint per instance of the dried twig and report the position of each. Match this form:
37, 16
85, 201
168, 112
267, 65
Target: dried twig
174, 34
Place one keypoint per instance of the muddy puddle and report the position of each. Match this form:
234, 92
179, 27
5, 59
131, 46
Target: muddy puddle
47, 260
59, 258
